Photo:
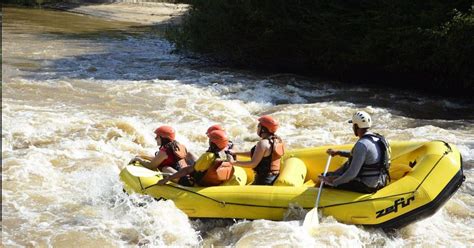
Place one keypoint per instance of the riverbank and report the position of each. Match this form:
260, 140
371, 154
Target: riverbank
400, 66
142, 13
412, 46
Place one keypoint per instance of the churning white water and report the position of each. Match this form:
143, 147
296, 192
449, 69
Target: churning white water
81, 97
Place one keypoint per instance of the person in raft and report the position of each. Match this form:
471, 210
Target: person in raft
211, 169
171, 157
266, 154
366, 171
230, 146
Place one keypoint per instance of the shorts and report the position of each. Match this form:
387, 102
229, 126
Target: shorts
268, 179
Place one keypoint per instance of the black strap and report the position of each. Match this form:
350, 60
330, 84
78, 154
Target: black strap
272, 142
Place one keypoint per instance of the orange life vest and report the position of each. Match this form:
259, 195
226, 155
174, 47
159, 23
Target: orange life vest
278, 149
176, 156
270, 163
218, 173
180, 154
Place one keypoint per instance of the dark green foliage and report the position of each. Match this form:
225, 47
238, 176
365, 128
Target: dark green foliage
37, 3
21, 2
422, 44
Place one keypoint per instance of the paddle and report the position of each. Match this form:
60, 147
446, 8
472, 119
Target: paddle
311, 219
144, 172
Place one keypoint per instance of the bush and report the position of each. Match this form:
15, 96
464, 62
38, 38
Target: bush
420, 44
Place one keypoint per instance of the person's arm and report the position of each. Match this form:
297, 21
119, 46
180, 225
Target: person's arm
190, 158
256, 157
181, 173
333, 153
345, 154
155, 162
358, 159
140, 159
146, 157
245, 154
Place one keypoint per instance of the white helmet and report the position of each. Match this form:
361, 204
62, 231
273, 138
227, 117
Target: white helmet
362, 119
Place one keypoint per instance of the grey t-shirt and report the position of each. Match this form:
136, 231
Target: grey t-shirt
365, 151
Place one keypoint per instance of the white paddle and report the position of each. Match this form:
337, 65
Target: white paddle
311, 219
144, 172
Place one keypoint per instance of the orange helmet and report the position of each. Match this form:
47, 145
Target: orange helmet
269, 123
214, 127
219, 138
166, 132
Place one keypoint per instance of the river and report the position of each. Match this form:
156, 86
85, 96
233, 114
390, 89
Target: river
81, 96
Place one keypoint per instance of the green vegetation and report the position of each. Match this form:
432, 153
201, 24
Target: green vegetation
39, 3
425, 45
24, 2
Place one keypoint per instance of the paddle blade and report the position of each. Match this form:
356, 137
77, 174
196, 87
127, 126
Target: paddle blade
141, 172
311, 220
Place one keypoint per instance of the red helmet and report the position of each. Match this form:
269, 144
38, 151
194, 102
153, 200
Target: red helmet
214, 127
166, 132
219, 138
269, 123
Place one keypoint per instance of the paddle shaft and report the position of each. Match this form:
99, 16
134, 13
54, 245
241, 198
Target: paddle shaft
322, 183
138, 171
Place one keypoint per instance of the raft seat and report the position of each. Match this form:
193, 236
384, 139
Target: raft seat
293, 173
399, 170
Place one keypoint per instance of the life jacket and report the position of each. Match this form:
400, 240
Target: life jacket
271, 163
218, 173
278, 149
383, 165
176, 153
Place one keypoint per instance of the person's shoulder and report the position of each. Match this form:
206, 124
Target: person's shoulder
362, 144
263, 143
162, 151
181, 146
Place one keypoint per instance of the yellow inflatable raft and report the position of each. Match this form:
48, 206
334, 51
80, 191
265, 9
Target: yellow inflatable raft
424, 175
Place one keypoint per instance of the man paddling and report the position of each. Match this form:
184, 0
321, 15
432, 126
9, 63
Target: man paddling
366, 171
